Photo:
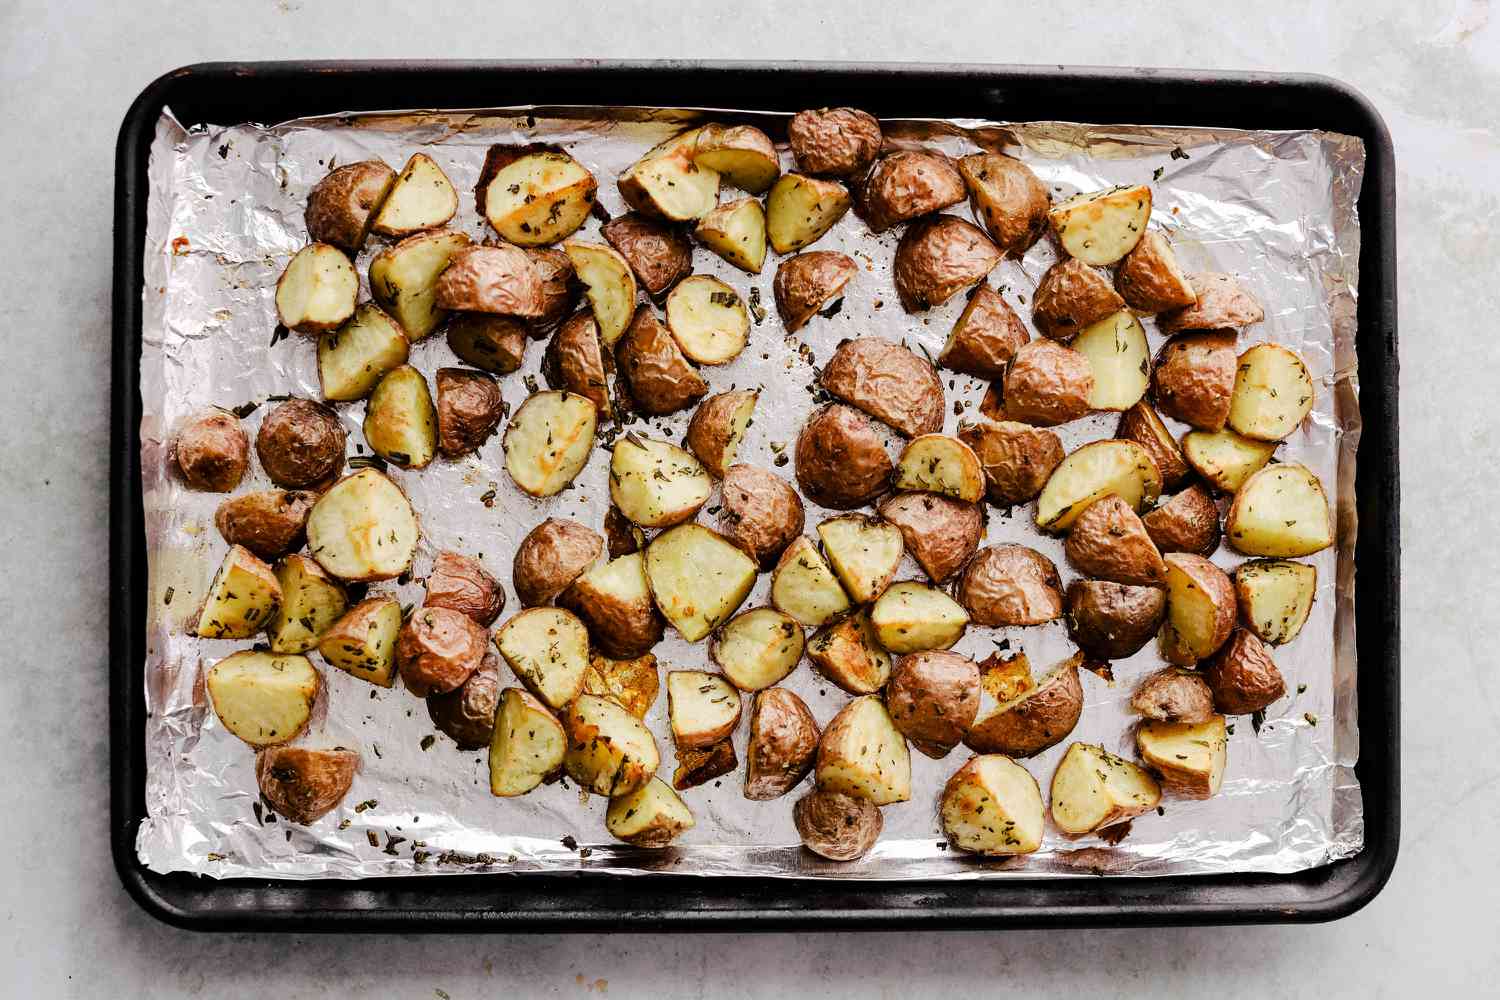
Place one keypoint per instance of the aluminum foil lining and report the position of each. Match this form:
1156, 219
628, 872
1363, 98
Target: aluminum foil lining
1277, 209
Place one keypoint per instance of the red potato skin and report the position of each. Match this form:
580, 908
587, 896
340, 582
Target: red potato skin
841, 461
437, 649
889, 382
933, 698
301, 444
212, 452
834, 142
461, 584
760, 513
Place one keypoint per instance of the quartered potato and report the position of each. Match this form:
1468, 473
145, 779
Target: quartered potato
1046, 384
908, 184
1188, 756
404, 278
311, 603
469, 408
933, 697
703, 708
992, 806
1200, 609
301, 444
1093, 789
835, 825
363, 641
421, 198
800, 209
847, 652
863, 754
937, 463
1109, 542
889, 382
1194, 379
782, 747
1220, 304
743, 155
736, 231
807, 282
576, 362
658, 254
341, 206
1070, 297
614, 601
1100, 227
212, 451
548, 441
1141, 424
527, 746
263, 698
1189, 522
1098, 468
1280, 511
757, 648
499, 279
708, 320
631, 684
1021, 719
759, 512
438, 650
655, 369
621, 537
1017, 458
548, 648
467, 713
986, 336
317, 291
1225, 459
242, 599
400, 420
461, 584
699, 766
837, 142
353, 358
1149, 280
804, 587
864, 553
1242, 675
305, 785
269, 523
698, 578
1272, 393
1008, 198
1010, 584
534, 194
550, 557
1275, 597
656, 484
666, 184
718, 426
939, 257
841, 460
1174, 695
1119, 358
610, 752
609, 284
910, 617
1113, 620
941, 533
652, 816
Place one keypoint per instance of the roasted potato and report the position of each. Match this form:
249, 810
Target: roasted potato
550, 557
938, 463
548, 441
527, 745
1047, 384
242, 599
941, 533
437, 649
783, 744
804, 587
317, 291
212, 451
1174, 695
301, 443
1188, 756
1272, 393
864, 553
1275, 597
1003, 678
420, 198
1149, 280
1119, 359
614, 601
1220, 304
341, 206
658, 255
263, 698
1008, 198
759, 512
548, 649
404, 279
467, 713
658, 375
800, 209
469, 409
1070, 297
576, 362
1242, 675
1225, 459
835, 825
400, 420
847, 652
1100, 227
609, 751
840, 459
656, 484
1141, 424
911, 617
533, 194
609, 284
699, 766
363, 641
937, 258
304, 785
1010, 585
862, 753
652, 816
992, 806
703, 708
503, 279
987, 335
1037, 719
562, 290
621, 537
736, 231
757, 648
632, 684
666, 184
698, 578
743, 155
836, 142
717, 427
496, 344
1193, 380
363, 528
353, 358
707, 319
461, 584
889, 382
1189, 522
311, 602
933, 697
907, 184
1109, 542
809, 281
1017, 458
1113, 620
1093, 789
270, 523
1200, 609
1123, 468
1280, 511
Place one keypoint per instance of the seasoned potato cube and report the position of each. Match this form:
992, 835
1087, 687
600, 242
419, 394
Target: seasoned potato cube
610, 752
718, 426
1225, 459
263, 698
304, 785
1100, 227
422, 197
666, 184
1093, 789
1200, 608
703, 708
242, 599
548, 441
863, 754
631, 684
1275, 597
614, 601
311, 602
910, 617
1008, 197
400, 420
1189, 756
803, 586
341, 206
352, 359
782, 747
656, 484
651, 816
743, 155
837, 826
1280, 511
363, 528
528, 744
1141, 424
495, 344
609, 284
317, 291
698, 578
847, 652
1272, 393
864, 553
1150, 280
1021, 718
758, 648
548, 648
363, 641
992, 805
937, 463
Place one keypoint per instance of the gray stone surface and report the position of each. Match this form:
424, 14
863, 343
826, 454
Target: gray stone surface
69, 930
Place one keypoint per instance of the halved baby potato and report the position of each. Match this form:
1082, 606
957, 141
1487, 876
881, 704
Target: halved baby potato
938, 257
1225, 459
421, 198
666, 184
807, 282
1273, 392
528, 744
736, 231
658, 376
534, 194
404, 277
1093, 789
938, 463
1100, 227
864, 553
992, 806
1098, 468
758, 648
1021, 718
317, 291
548, 649
242, 599
363, 528
303, 784
614, 601
847, 652
910, 617
652, 816
800, 209
548, 441
1189, 756
940, 533
610, 752
703, 708
575, 361
804, 587
782, 747
363, 641
1008, 197
1070, 297
311, 603
1200, 608
985, 337
656, 484
263, 698
341, 206
1275, 597
1117, 353
609, 285
400, 420
1150, 280
862, 754
708, 320
743, 155
718, 426
1017, 458
698, 578
1188, 522
1280, 511
353, 358
1008, 584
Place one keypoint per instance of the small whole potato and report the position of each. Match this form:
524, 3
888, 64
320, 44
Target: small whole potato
1010, 585
835, 825
469, 408
437, 649
834, 142
212, 451
467, 713
459, 583
841, 460
759, 512
301, 443
1047, 384
933, 697
269, 523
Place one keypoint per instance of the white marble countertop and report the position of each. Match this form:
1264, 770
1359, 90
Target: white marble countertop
1433, 70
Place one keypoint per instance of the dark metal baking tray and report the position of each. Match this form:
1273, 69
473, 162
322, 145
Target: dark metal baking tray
271, 92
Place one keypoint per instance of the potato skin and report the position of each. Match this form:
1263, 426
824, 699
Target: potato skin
1147, 279
576, 361
467, 713
469, 408
1070, 296
1114, 620
459, 583
1242, 675
1215, 583
940, 532
1221, 305
933, 697
1140, 424
437, 649
659, 255
660, 379
888, 382
1174, 695
269, 523
212, 451
1008, 198
1047, 384
1017, 458
550, 557
986, 336
938, 257
1108, 542
835, 825
620, 536
841, 460
1193, 379
1188, 522
560, 289
1010, 585
783, 744
759, 512
709, 431
301, 443
504, 280
304, 785
805, 282
907, 184
834, 142
496, 344
1038, 723
341, 205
